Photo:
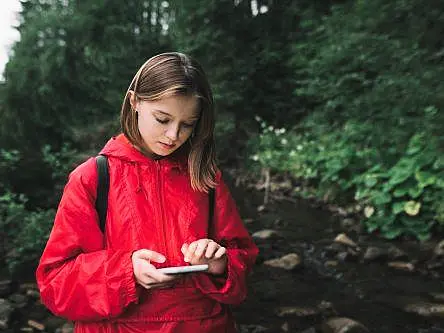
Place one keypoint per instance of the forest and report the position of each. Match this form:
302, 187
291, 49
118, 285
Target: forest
341, 98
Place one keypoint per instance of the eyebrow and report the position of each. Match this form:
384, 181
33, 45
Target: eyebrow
169, 115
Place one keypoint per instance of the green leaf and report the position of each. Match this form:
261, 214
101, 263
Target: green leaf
370, 181
425, 178
361, 194
412, 208
439, 163
381, 198
416, 192
369, 211
412, 222
398, 207
400, 191
392, 232
423, 236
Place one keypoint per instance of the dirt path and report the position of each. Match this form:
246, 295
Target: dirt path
337, 280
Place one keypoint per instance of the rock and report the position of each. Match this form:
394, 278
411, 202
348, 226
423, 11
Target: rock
52, 323
326, 306
66, 328
6, 310
33, 293
333, 249
437, 296
24, 287
19, 301
38, 312
36, 325
406, 266
297, 311
439, 249
265, 234
349, 255
432, 330
374, 253
5, 288
425, 309
435, 263
344, 239
289, 261
347, 223
354, 254
395, 253
261, 208
309, 330
284, 327
331, 263
343, 325
249, 329
343, 256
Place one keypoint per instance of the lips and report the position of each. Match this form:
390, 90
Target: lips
167, 146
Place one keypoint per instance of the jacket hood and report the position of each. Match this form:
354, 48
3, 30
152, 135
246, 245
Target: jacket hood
120, 147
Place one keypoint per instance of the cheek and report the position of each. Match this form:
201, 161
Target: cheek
146, 126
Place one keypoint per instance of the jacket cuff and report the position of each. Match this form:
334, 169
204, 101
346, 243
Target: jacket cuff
129, 281
216, 284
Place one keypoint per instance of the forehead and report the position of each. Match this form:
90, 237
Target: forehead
176, 106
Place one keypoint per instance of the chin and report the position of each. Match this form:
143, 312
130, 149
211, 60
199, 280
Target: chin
161, 152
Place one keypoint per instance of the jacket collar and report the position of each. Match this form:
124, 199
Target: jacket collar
120, 147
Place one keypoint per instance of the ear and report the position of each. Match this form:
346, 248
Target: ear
133, 99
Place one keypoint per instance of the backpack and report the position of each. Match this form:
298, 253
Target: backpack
103, 189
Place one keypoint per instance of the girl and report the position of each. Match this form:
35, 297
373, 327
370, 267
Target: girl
161, 168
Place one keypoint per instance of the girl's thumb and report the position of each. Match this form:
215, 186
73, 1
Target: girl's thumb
151, 255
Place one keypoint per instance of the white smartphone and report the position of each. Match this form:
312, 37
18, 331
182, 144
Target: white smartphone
183, 269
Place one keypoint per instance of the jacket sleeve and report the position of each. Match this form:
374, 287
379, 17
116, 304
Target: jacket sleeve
229, 231
78, 279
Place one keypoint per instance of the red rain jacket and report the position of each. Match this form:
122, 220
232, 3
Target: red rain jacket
87, 277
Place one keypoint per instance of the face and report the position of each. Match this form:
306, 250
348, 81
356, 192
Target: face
167, 123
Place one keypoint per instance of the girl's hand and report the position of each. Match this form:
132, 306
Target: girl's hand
146, 274
206, 251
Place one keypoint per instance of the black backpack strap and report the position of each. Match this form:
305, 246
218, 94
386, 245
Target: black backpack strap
102, 189
211, 204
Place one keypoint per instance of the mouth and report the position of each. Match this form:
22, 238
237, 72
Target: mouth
167, 146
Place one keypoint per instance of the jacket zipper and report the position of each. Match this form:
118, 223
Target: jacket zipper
162, 212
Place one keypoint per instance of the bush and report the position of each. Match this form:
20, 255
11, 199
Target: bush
24, 232
403, 197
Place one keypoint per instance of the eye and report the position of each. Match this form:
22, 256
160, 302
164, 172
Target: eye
162, 120
188, 125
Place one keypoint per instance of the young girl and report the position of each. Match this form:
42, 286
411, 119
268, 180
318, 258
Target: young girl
161, 169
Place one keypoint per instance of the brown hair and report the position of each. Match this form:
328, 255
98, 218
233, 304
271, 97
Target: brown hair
168, 74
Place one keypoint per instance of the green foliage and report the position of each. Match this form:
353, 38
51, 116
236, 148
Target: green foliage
348, 98
8, 164
68, 73
374, 134
404, 198
61, 162
24, 233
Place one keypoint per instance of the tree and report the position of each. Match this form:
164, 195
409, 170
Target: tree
68, 75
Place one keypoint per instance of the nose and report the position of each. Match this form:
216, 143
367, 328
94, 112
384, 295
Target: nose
172, 132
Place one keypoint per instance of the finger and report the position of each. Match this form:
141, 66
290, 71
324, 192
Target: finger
220, 252
150, 255
211, 249
159, 277
190, 252
201, 248
184, 248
